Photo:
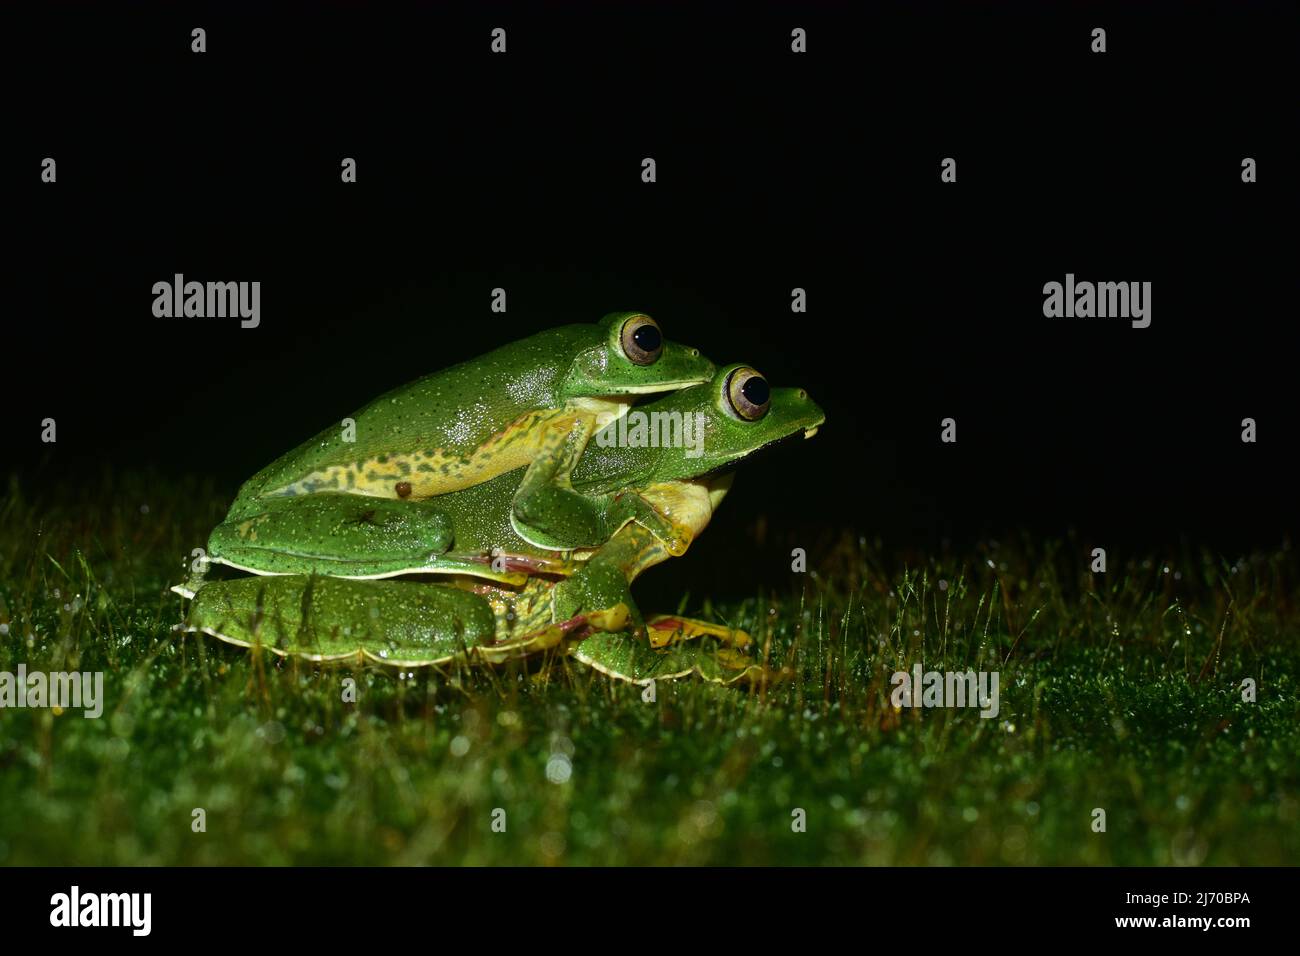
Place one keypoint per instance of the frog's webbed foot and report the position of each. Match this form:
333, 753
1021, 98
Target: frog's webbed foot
630, 506
562, 519
677, 647
709, 659
666, 629
597, 588
558, 519
548, 513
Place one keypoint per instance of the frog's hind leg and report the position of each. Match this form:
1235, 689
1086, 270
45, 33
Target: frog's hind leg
341, 535
546, 511
325, 619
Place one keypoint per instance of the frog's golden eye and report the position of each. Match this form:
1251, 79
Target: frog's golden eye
748, 393
641, 339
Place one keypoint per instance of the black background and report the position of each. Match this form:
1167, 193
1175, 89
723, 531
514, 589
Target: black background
775, 170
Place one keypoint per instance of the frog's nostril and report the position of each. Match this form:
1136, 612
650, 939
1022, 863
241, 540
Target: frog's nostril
695, 353
802, 394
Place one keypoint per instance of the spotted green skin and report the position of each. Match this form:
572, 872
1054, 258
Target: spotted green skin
459, 533
409, 624
450, 415
531, 403
413, 623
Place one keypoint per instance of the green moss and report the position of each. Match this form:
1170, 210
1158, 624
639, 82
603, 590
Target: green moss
1118, 692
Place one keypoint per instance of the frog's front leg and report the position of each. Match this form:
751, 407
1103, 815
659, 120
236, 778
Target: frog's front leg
574, 520
546, 511
600, 586
676, 646
341, 535
605, 582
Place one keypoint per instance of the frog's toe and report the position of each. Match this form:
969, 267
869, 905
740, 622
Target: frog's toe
732, 668
597, 588
624, 658
676, 546
666, 629
554, 635
556, 519
613, 619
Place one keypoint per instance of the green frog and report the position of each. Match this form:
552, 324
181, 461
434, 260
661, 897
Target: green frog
535, 403
499, 596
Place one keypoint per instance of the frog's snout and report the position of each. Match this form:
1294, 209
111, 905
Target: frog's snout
819, 417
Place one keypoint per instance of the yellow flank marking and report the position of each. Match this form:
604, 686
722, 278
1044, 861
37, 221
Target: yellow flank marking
439, 472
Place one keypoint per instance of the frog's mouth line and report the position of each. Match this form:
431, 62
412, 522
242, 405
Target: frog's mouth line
656, 388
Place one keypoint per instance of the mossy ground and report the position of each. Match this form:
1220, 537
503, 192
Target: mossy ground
1118, 691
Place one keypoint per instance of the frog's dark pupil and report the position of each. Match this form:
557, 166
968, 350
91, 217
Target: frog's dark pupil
647, 338
756, 391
